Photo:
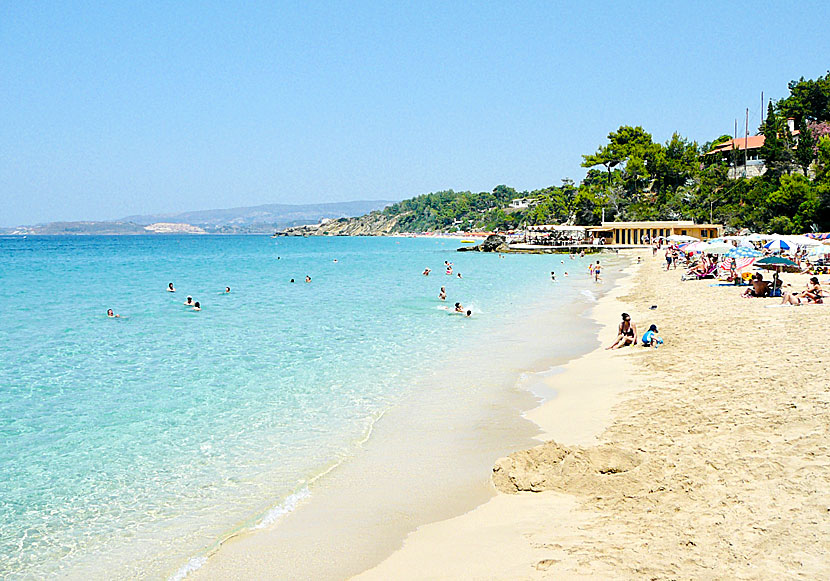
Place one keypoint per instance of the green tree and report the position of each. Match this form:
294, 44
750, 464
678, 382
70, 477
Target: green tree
808, 100
805, 152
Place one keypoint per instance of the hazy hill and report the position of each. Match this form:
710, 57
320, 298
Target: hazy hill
273, 215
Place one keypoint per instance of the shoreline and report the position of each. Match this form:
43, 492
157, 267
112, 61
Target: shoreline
491, 537
250, 554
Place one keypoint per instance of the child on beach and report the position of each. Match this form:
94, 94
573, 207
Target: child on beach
651, 338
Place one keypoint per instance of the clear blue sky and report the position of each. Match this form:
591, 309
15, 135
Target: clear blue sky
109, 109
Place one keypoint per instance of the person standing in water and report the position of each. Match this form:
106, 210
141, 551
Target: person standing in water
189, 301
227, 289
112, 315
197, 306
443, 294
597, 271
170, 287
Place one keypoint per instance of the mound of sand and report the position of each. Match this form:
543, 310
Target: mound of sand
575, 470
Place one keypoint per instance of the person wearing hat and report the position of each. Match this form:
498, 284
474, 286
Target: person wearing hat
651, 338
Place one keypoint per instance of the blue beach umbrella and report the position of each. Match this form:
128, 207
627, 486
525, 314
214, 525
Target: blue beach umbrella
778, 244
743, 252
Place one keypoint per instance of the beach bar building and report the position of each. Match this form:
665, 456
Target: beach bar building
635, 233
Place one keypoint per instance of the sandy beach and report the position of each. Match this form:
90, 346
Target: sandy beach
704, 459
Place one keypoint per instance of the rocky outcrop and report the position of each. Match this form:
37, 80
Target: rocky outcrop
373, 224
493, 243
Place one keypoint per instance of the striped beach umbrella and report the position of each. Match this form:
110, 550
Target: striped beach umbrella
744, 256
779, 244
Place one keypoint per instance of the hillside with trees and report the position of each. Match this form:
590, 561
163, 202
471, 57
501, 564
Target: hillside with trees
632, 177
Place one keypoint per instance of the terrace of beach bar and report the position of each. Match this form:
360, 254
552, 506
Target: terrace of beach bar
634, 233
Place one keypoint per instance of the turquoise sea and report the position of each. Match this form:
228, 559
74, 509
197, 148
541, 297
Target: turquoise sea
130, 445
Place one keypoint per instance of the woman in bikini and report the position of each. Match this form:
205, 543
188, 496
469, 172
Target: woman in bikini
813, 294
626, 333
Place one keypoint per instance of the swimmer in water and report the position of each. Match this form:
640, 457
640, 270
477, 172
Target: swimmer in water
469, 313
443, 294
189, 301
459, 275
227, 289
170, 288
459, 308
197, 306
292, 280
449, 270
335, 260
112, 315
307, 278
566, 273
553, 276
426, 272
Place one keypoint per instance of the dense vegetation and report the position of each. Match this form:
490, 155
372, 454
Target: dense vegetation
633, 178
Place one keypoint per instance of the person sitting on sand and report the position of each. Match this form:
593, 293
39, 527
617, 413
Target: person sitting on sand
170, 288
626, 333
651, 338
759, 287
443, 294
459, 308
814, 294
112, 315
189, 301
197, 306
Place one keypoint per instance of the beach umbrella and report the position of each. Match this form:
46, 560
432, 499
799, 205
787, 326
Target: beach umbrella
743, 252
743, 256
802, 241
777, 263
718, 247
681, 238
779, 244
818, 235
820, 250
694, 247
759, 237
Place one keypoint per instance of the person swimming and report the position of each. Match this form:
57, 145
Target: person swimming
197, 306
459, 308
189, 301
112, 315
426, 272
553, 276
170, 288
443, 294
227, 289
459, 275
307, 278
292, 280
469, 313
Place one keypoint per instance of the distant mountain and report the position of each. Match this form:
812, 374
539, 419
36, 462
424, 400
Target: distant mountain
270, 215
245, 220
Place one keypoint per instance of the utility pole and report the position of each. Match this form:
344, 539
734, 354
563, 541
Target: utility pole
762, 107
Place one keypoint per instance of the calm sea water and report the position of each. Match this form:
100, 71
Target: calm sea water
150, 437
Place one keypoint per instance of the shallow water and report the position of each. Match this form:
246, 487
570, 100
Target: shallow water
136, 443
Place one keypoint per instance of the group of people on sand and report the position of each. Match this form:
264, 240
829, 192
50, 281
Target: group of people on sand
627, 335
812, 293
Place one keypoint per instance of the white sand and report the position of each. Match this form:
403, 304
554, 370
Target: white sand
713, 458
